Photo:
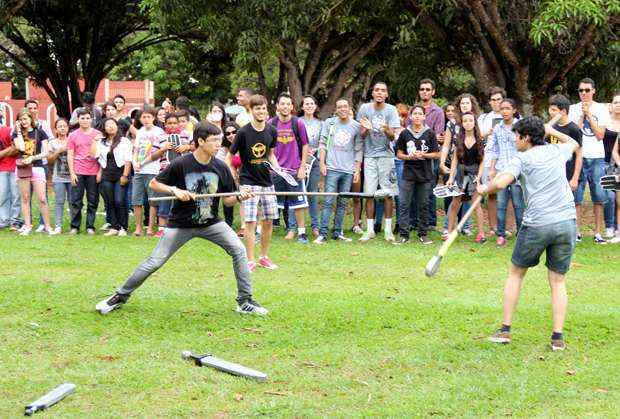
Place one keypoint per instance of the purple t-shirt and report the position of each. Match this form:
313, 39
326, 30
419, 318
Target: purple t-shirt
435, 118
286, 150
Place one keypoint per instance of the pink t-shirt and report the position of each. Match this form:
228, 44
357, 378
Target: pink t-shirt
80, 142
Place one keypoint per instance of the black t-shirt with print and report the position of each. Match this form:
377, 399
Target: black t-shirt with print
33, 145
417, 170
254, 148
187, 173
572, 130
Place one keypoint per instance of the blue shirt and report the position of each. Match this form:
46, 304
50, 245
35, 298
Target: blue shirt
501, 146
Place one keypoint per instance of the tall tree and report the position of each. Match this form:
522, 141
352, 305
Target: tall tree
526, 46
60, 42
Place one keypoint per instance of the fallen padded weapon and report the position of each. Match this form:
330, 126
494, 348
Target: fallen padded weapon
377, 195
224, 366
433, 264
288, 178
50, 398
611, 182
447, 191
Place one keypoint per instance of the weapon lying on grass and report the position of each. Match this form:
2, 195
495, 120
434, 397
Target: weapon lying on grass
446, 191
50, 398
225, 366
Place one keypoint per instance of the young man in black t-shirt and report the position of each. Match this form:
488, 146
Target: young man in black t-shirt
417, 147
255, 143
195, 173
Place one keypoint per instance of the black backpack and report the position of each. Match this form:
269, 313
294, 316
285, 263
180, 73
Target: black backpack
295, 125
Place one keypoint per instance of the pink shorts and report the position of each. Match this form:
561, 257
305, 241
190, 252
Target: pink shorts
38, 175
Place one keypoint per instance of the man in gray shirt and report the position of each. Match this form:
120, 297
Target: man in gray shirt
378, 120
341, 152
549, 221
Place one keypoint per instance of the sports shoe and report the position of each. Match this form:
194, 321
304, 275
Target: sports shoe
609, 233
367, 236
500, 337
105, 227
266, 263
25, 230
501, 241
357, 229
320, 240
599, 240
73, 231
302, 238
14, 227
615, 240
425, 240
53, 231
251, 266
402, 240
251, 307
480, 238
57, 230
578, 238
466, 232
40, 229
557, 345
111, 303
90, 231
341, 237
111, 232
389, 236
122, 233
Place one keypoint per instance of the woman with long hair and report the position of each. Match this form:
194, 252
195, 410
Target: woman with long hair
466, 169
61, 178
309, 107
114, 154
32, 146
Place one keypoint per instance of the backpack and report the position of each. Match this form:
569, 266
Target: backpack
295, 125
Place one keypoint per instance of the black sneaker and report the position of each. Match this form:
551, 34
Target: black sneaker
558, 345
251, 307
425, 240
402, 240
111, 303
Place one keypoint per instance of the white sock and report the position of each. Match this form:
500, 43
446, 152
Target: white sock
301, 230
370, 225
259, 228
388, 226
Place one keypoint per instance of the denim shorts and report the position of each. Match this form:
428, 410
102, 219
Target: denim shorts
140, 187
557, 239
591, 173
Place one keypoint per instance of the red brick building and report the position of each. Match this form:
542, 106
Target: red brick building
136, 92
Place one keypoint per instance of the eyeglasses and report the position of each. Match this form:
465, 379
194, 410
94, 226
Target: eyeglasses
231, 132
584, 90
496, 99
425, 89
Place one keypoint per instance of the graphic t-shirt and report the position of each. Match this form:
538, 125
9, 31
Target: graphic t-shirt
342, 143
287, 151
376, 143
572, 130
409, 142
182, 138
7, 163
592, 148
33, 145
313, 129
146, 143
187, 173
254, 148
60, 173
80, 142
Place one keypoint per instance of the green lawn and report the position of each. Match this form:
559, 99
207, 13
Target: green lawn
354, 330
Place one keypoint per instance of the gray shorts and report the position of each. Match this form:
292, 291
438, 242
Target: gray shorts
557, 239
380, 173
140, 187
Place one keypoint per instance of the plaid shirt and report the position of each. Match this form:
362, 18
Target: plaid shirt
501, 146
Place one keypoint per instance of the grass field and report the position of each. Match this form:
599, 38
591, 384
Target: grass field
354, 330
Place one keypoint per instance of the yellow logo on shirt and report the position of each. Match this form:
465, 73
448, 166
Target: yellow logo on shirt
285, 139
259, 150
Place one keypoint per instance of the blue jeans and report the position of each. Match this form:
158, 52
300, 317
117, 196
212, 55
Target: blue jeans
514, 192
62, 192
335, 182
114, 197
609, 207
591, 173
313, 201
10, 203
398, 164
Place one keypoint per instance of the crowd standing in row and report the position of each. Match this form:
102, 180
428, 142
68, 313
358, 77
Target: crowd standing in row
406, 151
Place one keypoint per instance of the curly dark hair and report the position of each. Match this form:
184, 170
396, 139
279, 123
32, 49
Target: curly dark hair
532, 126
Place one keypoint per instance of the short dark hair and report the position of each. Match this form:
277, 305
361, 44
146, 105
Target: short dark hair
426, 81
30, 101
182, 113
532, 126
284, 96
182, 102
588, 80
512, 102
417, 106
559, 101
170, 116
205, 130
247, 90
82, 111
496, 90
150, 110
257, 100
88, 98
119, 96
379, 82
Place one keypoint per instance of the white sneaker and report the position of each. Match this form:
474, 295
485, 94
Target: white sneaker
252, 307
111, 303
58, 230
341, 237
54, 231
40, 229
609, 233
320, 240
25, 231
389, 237
105, 227
122, 233
111, 232
615, 240
367, 236
357, 230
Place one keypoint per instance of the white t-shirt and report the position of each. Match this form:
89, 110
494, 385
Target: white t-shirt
592, 147
145, 144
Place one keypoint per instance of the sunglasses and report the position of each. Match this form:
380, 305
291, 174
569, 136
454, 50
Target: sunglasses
425, 89
231, 132
584, 90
